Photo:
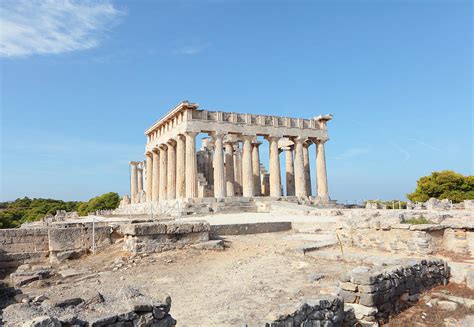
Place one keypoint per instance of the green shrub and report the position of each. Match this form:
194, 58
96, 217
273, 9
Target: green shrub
417, 221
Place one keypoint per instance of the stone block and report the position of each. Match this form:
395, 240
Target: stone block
348, 296
470, 278
65, 239
361, 311
143, 229
348, 286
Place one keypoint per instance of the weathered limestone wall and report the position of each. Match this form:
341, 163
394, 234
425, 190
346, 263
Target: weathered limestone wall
59, 242
163, 236
374, 295
18, 246
17, 240
251, 228
459, 241
392, 232
395, 239
70, 242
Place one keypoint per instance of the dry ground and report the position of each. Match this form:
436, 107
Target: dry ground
255, 276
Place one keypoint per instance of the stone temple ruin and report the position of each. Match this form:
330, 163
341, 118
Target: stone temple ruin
214, 231
228, 164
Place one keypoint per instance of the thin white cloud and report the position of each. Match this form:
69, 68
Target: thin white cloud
29, 27
192, 49
405, 153
352, 152
426, 145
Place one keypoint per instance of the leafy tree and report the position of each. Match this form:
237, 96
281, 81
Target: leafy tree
444, 184
105, 201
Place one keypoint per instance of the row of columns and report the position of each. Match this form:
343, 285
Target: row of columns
171, 169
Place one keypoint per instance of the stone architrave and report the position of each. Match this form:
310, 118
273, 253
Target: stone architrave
191, 165
229, 168
180, 167
247, 172
275, 178
218, 163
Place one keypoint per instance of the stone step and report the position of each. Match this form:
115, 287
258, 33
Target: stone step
314, 226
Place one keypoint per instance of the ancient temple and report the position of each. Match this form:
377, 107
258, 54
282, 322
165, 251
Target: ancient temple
228, 162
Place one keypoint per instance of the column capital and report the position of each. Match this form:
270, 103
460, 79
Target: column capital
215, 135
134, 163
320, 140
155, 150
171, 142
190, 134
299, 139
162, 146
247, 137
271, 138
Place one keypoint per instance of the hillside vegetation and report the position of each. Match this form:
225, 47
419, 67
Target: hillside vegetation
13, 214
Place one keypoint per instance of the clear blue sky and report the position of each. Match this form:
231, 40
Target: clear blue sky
81, 81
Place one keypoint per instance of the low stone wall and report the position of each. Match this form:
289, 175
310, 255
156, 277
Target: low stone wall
163, 236
375, 295
327, 311
80, 313
393, 233
251, 228
394, 239
70, 242
17, 240
19, 246
59, 242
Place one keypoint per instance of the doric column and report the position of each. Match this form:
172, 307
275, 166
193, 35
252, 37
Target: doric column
180, 167
218, 164
256, 168
290, 171
300, 182
149, 176
163, 173
139, 177
275, 178
133, 181
155, 184
238, 170
191, 165
171, 170
247, 173
307, 172
229, 169
321, 173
